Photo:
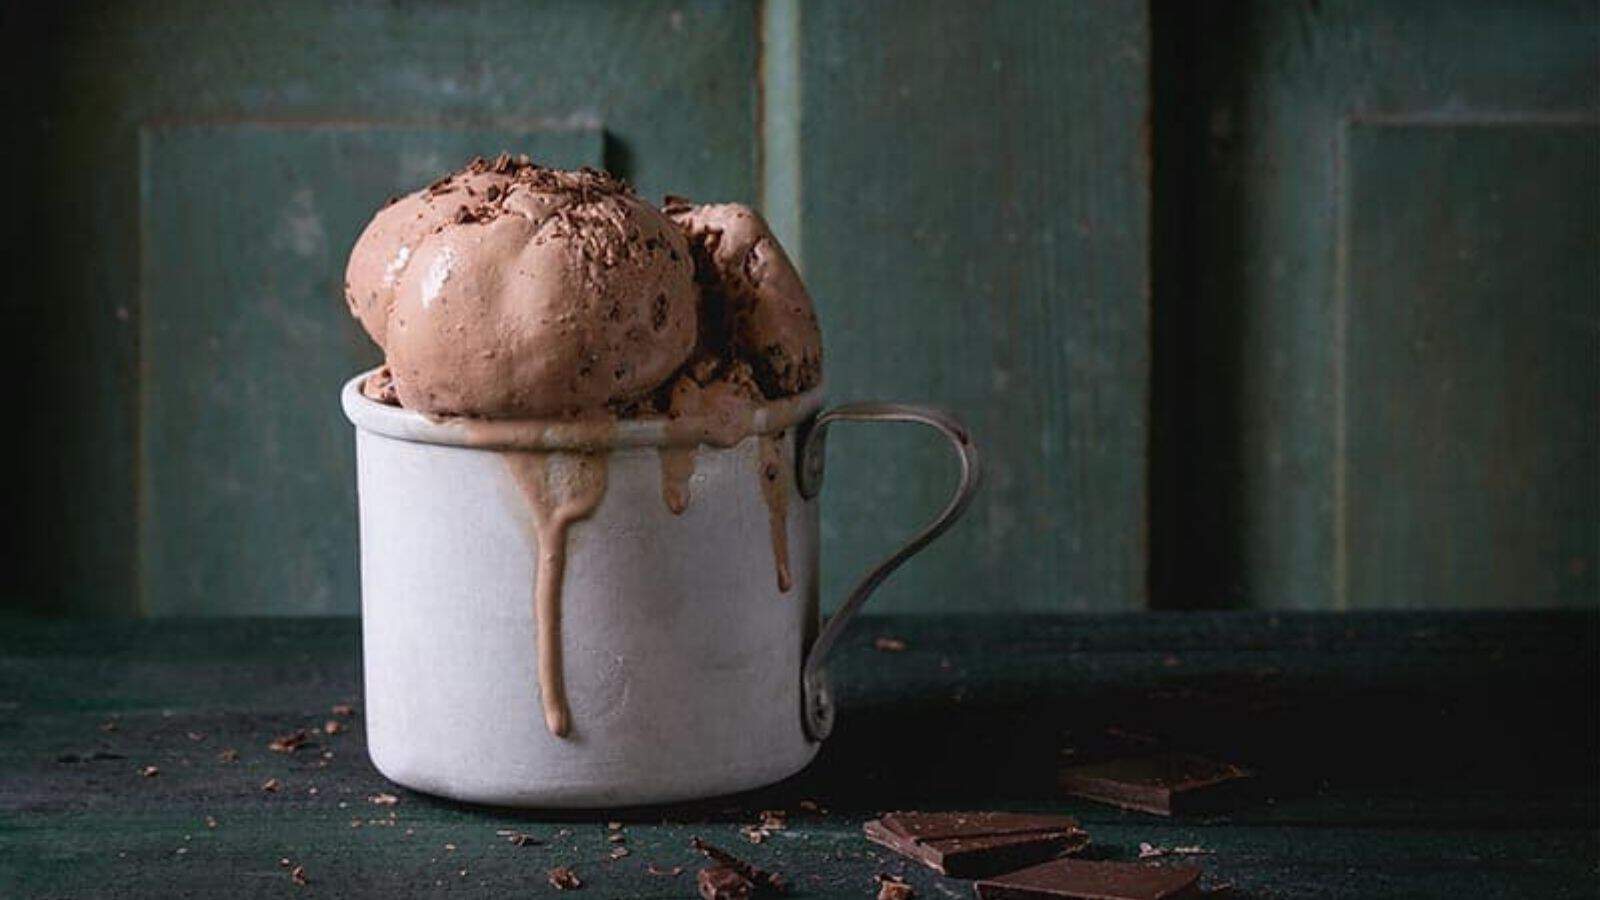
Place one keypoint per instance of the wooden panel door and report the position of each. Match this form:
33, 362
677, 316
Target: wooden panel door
1384, 321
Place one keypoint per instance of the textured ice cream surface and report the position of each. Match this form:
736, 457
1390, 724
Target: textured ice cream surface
508, 290
754, 300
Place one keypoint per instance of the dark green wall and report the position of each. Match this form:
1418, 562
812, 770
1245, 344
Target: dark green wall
1276, 304
1381, 386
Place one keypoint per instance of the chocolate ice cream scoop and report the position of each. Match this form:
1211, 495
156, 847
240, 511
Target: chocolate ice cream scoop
765, 312
508, 290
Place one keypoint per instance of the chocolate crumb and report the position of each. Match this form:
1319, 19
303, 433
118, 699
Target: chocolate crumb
563, 879
893, 887
229, 755
149, 771
332, 726
653, 869
298, 875
723, 883
289, 743
211, 822
271, 785
383, 799
343, 709
889, 644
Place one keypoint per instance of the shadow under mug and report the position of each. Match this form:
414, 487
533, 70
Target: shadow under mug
687, 666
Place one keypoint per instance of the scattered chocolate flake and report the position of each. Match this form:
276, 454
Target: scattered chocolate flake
723, 883
889, 644
298, 875
653, 869
616, 838
196, 736
229, 755
1151, 851
283, 862
520, 839
613, 826
811, 806
563, 879
332, 726
383, 799
758, 877
343, 709
619, 852
450, 848
753, 834
211, 822
774, 819
149, 771
893, 887
271, 785
289, 743
463, 216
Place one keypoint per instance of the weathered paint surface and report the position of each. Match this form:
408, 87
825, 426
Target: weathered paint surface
1255, 410
975, 222
1347, 720
1470, 373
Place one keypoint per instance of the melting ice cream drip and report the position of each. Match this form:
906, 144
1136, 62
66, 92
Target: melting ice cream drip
677, 468
561, 488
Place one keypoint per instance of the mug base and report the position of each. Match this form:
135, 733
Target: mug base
577, 796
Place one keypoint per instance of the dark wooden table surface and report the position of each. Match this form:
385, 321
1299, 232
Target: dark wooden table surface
1414, 755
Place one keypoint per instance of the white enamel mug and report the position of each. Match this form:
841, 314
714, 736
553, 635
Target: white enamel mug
685, 669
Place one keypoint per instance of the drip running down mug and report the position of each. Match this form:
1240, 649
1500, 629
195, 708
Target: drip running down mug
681, 650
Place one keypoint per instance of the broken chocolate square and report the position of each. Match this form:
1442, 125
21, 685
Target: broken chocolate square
975, 844
1163, 783
1079, 879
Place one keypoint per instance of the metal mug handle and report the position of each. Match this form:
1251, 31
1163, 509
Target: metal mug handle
817, 710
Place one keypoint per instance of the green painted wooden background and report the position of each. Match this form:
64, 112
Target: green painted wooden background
1379, 370
1219, 286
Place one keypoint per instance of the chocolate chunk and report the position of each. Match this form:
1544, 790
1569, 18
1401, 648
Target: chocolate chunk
976, 844
723, 883
1163, 784
893, 887
1088, 880
761, 878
